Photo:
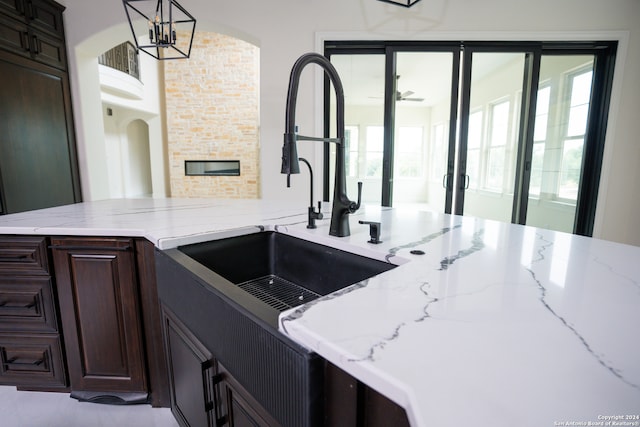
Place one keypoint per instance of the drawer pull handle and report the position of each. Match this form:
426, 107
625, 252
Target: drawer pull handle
13, 258
7, 305
15, 361
91, 248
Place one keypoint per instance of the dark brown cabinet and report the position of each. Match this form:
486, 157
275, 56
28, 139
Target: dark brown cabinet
31, 353
111, 319
38, 162
34, 29
98, 297
203, 392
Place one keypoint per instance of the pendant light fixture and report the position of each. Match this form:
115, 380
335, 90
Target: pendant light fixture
405, 3
167, 26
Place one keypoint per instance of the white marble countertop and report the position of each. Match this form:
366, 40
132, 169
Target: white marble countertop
495, 325
167, 223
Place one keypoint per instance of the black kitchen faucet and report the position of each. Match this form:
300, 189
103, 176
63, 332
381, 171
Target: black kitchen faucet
342, 206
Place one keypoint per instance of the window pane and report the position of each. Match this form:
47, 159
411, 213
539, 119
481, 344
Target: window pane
499, 124
474, 142
408, 149
374, 146
542, 114
495, 173
570, 172
581, 89
535, 180
473, 168
578, 120
557, 152
351, 150
580, 95
475, 130
437, 153
362, 77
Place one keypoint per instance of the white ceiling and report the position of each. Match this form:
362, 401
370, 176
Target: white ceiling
426, 74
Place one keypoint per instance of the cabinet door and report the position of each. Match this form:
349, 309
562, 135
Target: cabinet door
98, 297
191, 371
37, 154
238, 407
203, 392
14, 36
40, 37
45, 15
48, 50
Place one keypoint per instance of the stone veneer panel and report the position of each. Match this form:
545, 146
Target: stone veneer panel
213, 114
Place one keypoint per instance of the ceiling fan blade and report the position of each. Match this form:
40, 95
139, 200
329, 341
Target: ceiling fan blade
407, 93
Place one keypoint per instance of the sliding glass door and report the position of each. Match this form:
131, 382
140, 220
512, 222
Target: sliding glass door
489, 143
560, 128
363, 79
408, 163
506, 131
422, 116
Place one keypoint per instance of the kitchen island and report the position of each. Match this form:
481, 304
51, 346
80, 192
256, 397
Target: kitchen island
482, 323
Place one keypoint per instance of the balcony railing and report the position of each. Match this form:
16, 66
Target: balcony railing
123, 57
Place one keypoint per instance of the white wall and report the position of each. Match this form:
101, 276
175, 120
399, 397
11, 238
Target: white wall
284, 29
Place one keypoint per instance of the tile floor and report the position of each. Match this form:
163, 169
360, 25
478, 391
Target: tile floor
36, 409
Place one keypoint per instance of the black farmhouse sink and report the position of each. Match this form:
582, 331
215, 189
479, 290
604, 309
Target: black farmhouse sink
281, 270
230, 292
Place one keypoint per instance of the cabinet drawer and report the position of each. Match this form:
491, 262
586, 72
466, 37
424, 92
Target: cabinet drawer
23, 256
31, 360
46, 15
26, 304
13, 8
48, 50
14, 36
42, 14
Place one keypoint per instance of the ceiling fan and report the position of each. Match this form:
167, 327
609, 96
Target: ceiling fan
404, 96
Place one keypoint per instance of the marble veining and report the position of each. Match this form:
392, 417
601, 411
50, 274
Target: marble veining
494, 328
424, 240
476, 245
543, 248
492, 325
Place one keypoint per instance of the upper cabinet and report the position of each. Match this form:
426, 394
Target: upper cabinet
38, 162
33, 28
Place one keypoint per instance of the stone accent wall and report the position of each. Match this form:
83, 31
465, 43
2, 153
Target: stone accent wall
213, 114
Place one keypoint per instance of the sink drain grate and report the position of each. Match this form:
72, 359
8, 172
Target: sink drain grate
279, 293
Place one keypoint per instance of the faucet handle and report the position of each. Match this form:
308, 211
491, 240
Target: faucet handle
353, 206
